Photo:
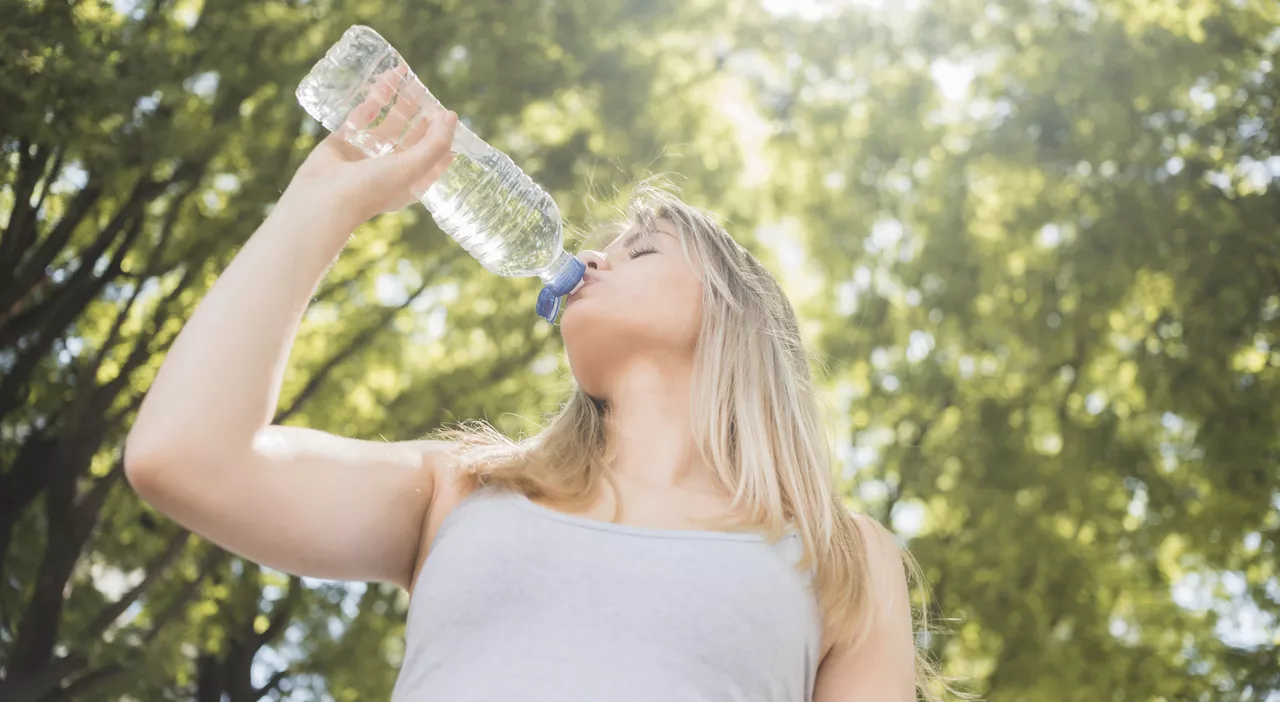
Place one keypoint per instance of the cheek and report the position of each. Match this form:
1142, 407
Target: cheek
674, 310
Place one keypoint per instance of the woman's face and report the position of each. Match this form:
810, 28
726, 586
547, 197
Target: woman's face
640, 300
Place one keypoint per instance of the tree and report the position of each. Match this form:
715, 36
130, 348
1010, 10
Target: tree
1034, 242
1047, 233
153, 136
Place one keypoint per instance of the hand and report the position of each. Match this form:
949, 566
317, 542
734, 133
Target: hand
340, 176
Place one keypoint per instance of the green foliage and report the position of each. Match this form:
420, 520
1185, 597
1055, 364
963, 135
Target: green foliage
1050, 300
1034, 242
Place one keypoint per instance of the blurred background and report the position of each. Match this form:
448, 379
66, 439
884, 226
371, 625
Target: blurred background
1034, 244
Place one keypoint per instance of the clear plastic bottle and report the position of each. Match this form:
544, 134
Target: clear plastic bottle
484, 201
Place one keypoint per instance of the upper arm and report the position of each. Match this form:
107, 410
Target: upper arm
304, 501
882, 668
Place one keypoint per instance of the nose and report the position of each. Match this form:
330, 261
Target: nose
595, 260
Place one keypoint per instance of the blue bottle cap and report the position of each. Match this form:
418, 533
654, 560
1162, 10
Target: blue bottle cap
549, 299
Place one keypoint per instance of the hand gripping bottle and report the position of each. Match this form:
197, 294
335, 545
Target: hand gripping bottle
484, 201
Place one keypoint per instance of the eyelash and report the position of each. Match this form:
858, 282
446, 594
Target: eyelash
637, 253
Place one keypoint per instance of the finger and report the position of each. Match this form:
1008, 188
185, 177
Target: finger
421, 185
337, 142
436, 144
417, 132
405, 168
426, 160
424, 182
401, 107
379, 120
364, 114
419, 188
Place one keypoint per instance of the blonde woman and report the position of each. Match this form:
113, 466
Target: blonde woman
672, 535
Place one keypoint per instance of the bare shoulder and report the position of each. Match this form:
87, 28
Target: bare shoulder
886, 569
884, 552
449, 484
882, 665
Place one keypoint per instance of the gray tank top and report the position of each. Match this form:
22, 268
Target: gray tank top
520, 602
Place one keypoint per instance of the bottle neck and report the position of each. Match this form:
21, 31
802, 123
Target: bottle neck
563, 276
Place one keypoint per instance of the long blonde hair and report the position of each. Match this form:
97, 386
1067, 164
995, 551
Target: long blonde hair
757, 423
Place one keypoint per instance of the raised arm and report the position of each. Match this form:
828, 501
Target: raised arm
203, 450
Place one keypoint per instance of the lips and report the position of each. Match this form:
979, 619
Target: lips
587, 279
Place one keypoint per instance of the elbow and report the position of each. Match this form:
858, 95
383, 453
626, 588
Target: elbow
147, 457
143, 460
152, 442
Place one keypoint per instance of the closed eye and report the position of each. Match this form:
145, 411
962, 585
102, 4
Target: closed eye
637, 253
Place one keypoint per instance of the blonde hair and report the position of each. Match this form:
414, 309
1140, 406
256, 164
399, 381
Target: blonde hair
757, 424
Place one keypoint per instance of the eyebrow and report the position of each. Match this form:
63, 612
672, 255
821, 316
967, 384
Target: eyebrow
636, 236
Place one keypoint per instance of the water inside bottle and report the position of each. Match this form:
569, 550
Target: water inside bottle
483, 201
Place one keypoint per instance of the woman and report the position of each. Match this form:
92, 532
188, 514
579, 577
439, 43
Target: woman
672, 535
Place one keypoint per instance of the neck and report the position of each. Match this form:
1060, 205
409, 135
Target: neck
650, 429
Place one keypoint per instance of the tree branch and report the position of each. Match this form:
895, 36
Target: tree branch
207, 565
34, 687
158, 566
357, 342
85, 682
271, 684
18, 234
280, 617
153, 261
17, 286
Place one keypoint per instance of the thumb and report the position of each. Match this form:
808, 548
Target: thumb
425, 149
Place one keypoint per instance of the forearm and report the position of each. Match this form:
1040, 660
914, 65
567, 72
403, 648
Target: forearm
221, 379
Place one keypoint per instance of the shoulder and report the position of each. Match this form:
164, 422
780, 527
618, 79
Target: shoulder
884, 551
881, 665
443, 470
884, 559
434, 451
448, 485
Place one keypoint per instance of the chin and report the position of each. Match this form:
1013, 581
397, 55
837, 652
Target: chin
593, 344
599, 340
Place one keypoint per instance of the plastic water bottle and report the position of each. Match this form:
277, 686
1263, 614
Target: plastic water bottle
484, 201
